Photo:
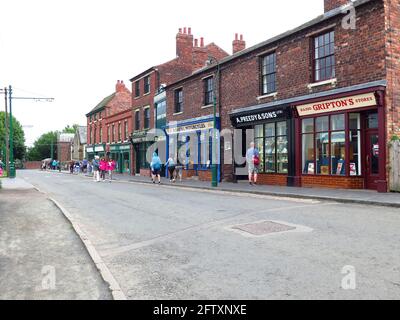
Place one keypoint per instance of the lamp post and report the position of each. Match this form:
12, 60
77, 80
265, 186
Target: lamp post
214, 166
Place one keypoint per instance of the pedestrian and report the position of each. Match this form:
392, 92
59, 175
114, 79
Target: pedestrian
171, 169
155, 166
110, 167
71, 166
54, 164
1, 168
96, 168
253, 161
103, 169
84, 166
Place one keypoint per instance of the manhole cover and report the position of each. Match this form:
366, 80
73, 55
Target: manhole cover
264, 228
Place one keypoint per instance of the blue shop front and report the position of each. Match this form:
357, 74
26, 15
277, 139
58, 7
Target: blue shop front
192, 144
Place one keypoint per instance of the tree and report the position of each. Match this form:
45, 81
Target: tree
72, 129
42, 147
19, 138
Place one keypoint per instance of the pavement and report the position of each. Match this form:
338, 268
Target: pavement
168, 242
41, 256
367, 197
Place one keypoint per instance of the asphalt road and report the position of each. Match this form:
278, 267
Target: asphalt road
168, 243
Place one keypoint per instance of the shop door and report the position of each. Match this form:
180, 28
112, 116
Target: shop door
372, 159
137, 159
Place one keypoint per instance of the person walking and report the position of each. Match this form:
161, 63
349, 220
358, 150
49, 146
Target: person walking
253, 161
110, 168
171, 169
96, 168
155, 166
103, 169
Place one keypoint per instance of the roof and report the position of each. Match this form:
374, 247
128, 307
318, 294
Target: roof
66, 137
102, 104
328, 15
82, 133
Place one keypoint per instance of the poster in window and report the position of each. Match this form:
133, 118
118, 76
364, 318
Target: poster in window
325, 170
311, 168
353, 169
339, 168
376, 150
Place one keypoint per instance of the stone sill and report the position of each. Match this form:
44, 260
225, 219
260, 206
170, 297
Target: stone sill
332, 82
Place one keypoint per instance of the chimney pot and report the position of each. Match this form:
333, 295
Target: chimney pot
241, 37
190, 31
196, 42
180, 30
236, 36
184, 30
202, 42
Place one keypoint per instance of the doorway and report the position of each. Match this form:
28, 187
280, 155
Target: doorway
372, 152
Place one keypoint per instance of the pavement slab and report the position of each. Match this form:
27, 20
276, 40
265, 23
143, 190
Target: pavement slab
41, 257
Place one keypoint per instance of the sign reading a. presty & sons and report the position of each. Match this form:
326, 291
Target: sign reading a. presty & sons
257, 117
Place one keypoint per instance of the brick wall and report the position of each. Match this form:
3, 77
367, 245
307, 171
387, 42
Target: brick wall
64, 151
32, 165
332, 182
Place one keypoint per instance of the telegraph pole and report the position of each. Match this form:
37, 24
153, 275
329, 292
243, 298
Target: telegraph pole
7, 160
11, 173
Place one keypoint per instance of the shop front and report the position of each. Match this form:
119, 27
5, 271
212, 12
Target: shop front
95, 150
191, 144
272, 131
342, 141
121, 154
140, 145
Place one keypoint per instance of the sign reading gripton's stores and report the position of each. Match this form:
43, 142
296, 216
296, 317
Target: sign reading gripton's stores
253, 118
346, 103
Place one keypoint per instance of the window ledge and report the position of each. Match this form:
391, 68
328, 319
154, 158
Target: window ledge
269, 95
178, 113
146, 94
207, 106
332, 82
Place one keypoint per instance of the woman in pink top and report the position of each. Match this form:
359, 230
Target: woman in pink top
110, 168
103, 169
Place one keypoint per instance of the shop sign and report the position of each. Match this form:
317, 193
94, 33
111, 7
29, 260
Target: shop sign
90, 150
190, 128
347, 103
120, 148
258, 117
139, 137
99, 149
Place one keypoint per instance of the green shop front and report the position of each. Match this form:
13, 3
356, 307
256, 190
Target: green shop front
140, 143
95, 150
121, 154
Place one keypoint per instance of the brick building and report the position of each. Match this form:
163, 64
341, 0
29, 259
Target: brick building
64, 147
320, 101
108, 127
148, 96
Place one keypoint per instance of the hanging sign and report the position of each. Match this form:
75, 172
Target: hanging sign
353, 102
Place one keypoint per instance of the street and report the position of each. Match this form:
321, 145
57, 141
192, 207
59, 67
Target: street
163, 242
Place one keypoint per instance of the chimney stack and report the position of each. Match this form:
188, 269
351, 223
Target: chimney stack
120, 87
238, 44
333, 4
184, 44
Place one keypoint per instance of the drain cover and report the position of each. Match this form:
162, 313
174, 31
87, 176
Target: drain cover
264, 228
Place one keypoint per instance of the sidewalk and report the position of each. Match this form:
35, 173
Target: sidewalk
367, 197
340, 195
41, 257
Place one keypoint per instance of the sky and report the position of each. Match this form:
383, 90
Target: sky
75, 51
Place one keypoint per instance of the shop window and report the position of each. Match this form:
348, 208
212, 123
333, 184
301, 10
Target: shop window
372, 121
324, 56
208, 91
268, 73
205, 148
324, 149
272, 143
355, 144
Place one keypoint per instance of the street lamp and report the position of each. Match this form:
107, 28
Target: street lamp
214, 166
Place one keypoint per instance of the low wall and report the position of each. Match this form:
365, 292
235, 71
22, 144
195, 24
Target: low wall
32, 165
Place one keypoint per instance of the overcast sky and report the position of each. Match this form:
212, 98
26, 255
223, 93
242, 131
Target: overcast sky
76, 50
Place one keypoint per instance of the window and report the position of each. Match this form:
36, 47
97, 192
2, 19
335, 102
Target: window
108, 134
137, 120
126, 130
324, 56
208, 91
90, 135
119, 132
137, 89
147, 118
178, 100
324, 145
272, 143
94, 135
101, 134
113, 133
268, 73
146, 84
